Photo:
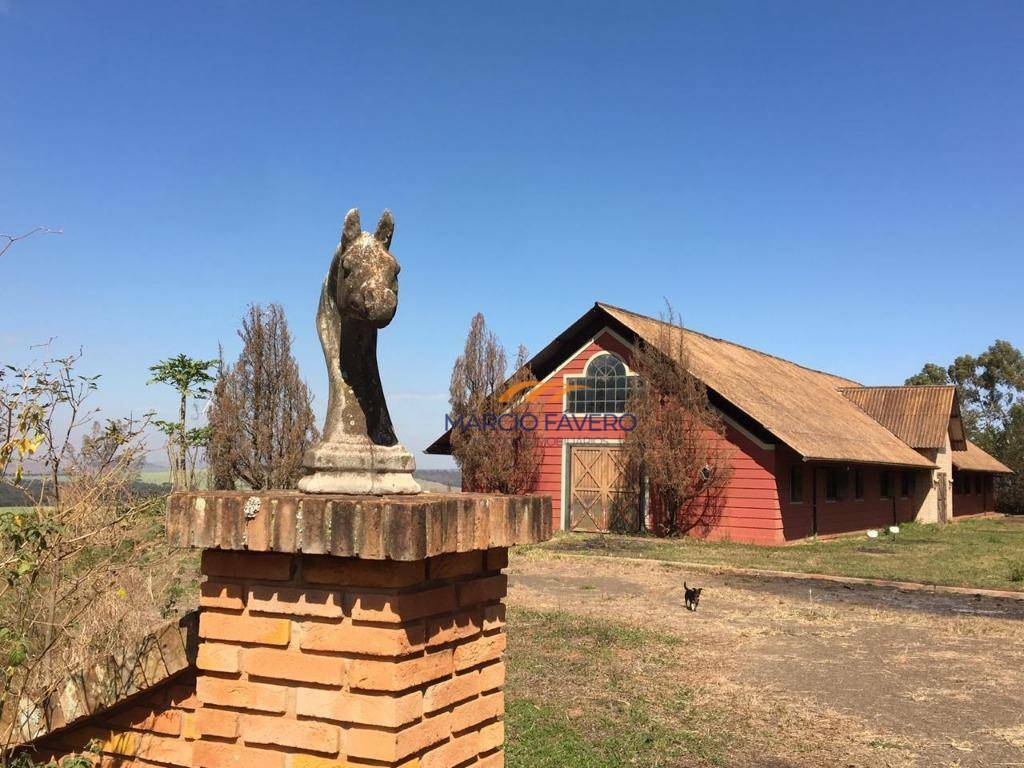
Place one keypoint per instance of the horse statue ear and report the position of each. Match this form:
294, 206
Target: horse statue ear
385, 228
351, 229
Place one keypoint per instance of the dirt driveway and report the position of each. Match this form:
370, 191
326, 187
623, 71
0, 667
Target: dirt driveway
820, 675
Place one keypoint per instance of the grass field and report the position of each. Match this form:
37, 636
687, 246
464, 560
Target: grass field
588, 693
972, 553
163, 477
155, 476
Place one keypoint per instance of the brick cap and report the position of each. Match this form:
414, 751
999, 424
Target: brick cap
397, 527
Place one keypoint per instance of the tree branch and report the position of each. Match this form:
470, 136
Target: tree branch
6, 241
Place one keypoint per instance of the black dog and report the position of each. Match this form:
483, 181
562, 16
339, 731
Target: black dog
692, 597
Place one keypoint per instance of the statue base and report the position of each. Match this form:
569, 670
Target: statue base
361, 469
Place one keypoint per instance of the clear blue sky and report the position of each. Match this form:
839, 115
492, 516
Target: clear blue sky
841, 184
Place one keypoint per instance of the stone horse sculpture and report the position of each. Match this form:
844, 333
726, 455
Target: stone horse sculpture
359, 452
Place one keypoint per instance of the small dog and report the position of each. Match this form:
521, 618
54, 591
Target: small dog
692, 596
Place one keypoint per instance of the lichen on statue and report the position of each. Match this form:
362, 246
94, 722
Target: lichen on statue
359, 452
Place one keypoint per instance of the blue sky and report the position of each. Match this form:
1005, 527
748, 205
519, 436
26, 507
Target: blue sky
841, 184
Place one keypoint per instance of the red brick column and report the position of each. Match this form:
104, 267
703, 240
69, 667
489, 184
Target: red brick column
343, 631
313, 661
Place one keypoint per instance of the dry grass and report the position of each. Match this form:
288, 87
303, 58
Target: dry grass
598, 666
1014, 735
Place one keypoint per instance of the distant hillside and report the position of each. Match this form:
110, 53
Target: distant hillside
26, 494
18, 497
447, 477
157, 481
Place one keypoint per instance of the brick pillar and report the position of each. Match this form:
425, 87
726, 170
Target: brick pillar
318, 661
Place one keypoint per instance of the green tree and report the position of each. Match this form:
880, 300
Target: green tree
190, 377
930, 374
991, 383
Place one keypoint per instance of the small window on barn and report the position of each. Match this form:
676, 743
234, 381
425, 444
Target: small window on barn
958, 483
796, 484
858, 484
977, 484
885, 484
603, 388
906, 484
832, 485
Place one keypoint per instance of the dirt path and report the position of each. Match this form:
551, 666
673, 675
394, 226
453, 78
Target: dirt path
871, 677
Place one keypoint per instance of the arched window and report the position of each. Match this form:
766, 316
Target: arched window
603, 388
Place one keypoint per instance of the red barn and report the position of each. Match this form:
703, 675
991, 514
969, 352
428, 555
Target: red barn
812, 453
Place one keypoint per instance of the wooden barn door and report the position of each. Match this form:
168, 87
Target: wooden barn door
597, 499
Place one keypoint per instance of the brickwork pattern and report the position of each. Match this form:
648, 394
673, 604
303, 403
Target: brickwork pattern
157, 728
309, 661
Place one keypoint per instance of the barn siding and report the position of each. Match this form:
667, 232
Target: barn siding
156, 727
846, 514
750, 503
750, 511
972, 502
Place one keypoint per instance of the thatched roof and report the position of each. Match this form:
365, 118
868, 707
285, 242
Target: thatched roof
922, 417
974, 459
802, 407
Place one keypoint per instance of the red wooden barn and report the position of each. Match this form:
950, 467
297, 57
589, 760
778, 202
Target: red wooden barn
812, 453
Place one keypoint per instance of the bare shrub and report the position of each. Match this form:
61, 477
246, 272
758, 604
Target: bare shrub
493, 451
677, 451
261, 416
83, 565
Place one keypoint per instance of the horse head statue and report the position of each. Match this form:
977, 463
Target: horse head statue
359, 452
364, 273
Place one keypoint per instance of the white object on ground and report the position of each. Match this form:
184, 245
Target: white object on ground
872, 534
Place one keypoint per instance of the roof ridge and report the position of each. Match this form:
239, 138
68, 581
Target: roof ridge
901, 386
857, 384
